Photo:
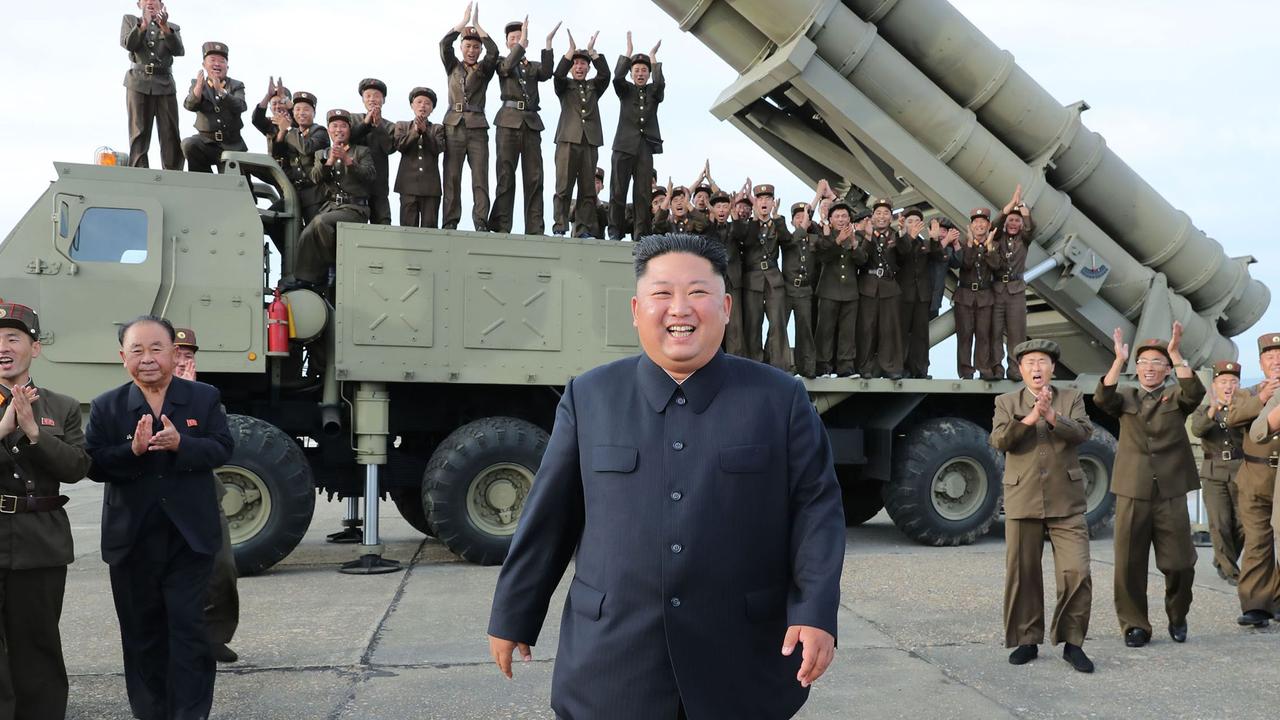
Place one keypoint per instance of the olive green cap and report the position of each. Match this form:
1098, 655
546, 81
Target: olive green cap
1048, 347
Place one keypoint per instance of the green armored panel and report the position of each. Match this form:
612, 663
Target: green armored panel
513, 297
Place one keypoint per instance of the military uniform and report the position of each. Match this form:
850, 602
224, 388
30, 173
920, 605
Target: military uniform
1153, 472
973, 300
763, 295
1223, 450
916, 283
637, 139
381, 142
1009, 290
579, 136
879, 319
1259, 585
724, 233
301, 143
799, 278
151, 96
418, 178
520, 138
347, 189
837, 337
218, 119
35, 543
666, 221
466, 131
1044, 493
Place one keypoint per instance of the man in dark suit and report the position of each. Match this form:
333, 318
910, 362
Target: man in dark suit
155, 442
654, 466
637, 139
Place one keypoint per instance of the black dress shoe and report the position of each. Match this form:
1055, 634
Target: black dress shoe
1178, 633
1136, 637
1023, 654
1256, 618
1074, 654
223, 654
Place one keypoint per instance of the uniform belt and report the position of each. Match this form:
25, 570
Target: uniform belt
10, 504
1272, 461
348, 199
151, 68
520, 105
463, 107
798, 282
764, 264
1225, 455
978, 286
1013, 277
220, 136
882, 273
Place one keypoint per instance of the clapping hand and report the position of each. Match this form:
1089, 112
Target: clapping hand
167, 439
142, 436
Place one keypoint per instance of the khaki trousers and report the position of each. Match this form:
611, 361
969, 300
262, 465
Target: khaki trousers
973, 339
1008, 324
1225, 529
1164, 524
1259, 586
1024, 580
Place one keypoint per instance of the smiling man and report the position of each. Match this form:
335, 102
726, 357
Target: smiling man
696, 494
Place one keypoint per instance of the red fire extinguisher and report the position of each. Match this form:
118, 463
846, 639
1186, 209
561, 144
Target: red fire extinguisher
277, 327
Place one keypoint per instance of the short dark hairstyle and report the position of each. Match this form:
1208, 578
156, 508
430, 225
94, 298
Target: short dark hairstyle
168, 326
652, 246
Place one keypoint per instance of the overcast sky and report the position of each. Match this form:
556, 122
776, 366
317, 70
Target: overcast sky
1181, 90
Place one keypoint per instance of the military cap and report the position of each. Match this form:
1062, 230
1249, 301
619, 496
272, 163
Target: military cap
882, 202
580, 54
419, 91
642, 59
720, 197
1269, 341
913, 211
338, 114
513, 26
841, 205
744, 200
659, 190
1162, 346
762, 190
214, 48
980, 212
703, 188
1048, 347
375, 84
185, 337
797, 207
679, 190
861, 215
471, 34
21, 317
599, 173
305, 97
1226, 367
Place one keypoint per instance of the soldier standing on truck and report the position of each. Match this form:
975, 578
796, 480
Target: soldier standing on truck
836, 335
720, 229
420, 143
377, 134
800, 276
218, 102
973, 298
946, 234
41, 446
1039, 428
346, 174
879, 319
579, 136
637, 139
466, 131
1153, 472
916, 282
519, 140
761, 237
1223, 452
1009, 312
1254, 409
222, 611
151, 96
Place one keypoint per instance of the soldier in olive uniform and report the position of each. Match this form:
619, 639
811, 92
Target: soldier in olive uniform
761, 237
41, 446
151, 96
376, 133
218, 102
420, 143
1254, 410
1039, 428
1014, 228
466, 131
837, 338
520, 128
346, 175
916, 283
1153, 472
301, 143
578, 139
1223, 451
879, 319
637, 139
675, 215
973, 299
799, 277
279, 103
720, 228
222, 612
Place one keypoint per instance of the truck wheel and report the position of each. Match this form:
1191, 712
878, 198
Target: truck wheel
409, 502
476, 483
270, 494
946, 483
861, 497
1097, 457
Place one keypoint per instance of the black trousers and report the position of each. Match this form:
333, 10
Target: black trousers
203, 154
523, 147
837, 337
635, 171
379, 209
801, 308
758, 305
222, 613
914, 314
575, 165
880, 329
145, 111
160, 590
471, 145
419, 211
33, 678
318, 243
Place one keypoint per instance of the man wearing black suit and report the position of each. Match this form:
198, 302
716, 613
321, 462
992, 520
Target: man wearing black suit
655, 465
637, 139
155, 442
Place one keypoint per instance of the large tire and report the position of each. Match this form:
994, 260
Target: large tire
946, 483
476, 483
1097, 458
862, 498
270, 494
409, 501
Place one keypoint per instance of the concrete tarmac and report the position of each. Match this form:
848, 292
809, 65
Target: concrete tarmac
920, 637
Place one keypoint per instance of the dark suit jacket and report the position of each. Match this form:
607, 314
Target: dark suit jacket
518, 81
419, 172
467, 89
638, 113
179, 484
580, 103
1153, 456
705, 519
147, 45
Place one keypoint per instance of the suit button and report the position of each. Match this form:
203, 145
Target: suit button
680, 400
677, 445
677, 495
677, 548
675, 602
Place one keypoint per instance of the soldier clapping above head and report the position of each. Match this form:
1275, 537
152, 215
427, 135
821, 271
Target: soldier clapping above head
151, 96
466, 129
674, 216
218, 102
973, 298
420, 142
578, 139
638, 137
1013, 228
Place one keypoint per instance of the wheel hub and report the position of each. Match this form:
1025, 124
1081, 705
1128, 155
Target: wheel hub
953, 485
959, 488
496, 497
247, 502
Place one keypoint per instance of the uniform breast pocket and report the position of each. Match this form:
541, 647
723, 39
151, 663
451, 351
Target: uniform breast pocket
614, 459
744, 459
